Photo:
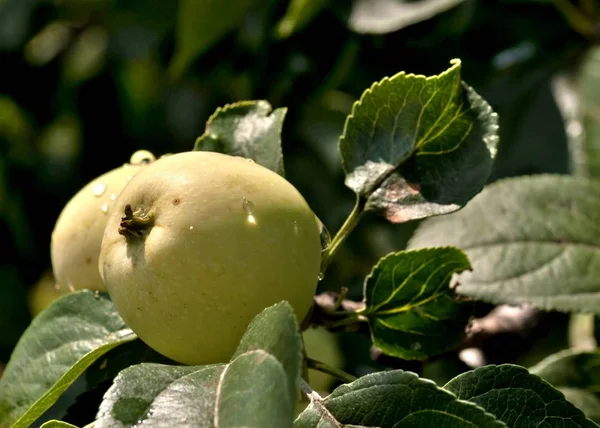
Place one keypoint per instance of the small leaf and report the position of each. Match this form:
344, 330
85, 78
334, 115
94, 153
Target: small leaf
396, 399
386, 16
275, 330
202, 23
412, 311
299, 13
57, 424
413, 147
250, 129
530, 240
253, 393
573, 370
61, 342
164, 395
517, 398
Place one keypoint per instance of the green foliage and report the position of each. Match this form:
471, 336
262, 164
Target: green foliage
411, 309
393, 399
255, 389
518, 398
577, 375
545, 257
249, 129
407, 146
85, 84
56, 349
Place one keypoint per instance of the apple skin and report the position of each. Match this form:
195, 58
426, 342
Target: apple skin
219, 239
77, 234
322, 345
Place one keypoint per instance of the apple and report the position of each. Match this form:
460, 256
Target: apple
43, 293
322, 345
77, 235
201, 242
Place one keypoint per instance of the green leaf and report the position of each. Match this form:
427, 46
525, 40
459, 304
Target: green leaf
393, 399
257, 388
253, 392
411, 309
386, 16
177, 396
202, 23
530, 240
275, 330
588, 89
577, 374
61, 342
250, 129
516, 397
417, 146
250, 391
57, 424
299, 13
586, 401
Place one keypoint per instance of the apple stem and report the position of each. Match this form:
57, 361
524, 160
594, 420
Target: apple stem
135, 224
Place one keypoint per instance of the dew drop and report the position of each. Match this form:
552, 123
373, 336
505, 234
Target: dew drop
191, 227
99, 189
324, 235
113, 196
142, 157
248, 206
321, 276
104, 208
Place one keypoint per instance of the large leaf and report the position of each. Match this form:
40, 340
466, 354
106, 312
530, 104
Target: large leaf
386, 16
61, 342
249, 129
412, 146
530, 240
161, 395
577, 375
393, 399
588, 88
253, 390
517, 398
200, 24
412, 311
275, 330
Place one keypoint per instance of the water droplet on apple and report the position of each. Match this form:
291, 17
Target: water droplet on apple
324, 234
250, 160
141, 157
104, 208
248, 207
99, 189
113, 196
191, 227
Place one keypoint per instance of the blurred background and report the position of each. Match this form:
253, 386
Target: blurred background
85, 83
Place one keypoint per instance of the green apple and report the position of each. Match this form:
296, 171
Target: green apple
76, 238
322, 345
44, 292
198, 244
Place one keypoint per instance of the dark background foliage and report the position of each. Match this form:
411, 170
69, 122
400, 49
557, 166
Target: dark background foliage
83, 84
